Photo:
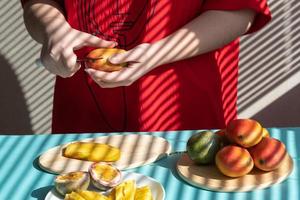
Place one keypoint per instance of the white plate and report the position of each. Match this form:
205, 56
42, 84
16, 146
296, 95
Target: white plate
157, 189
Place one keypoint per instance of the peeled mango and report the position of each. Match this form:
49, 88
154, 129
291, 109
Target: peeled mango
91, 151
66, 183
85, 195
98, 59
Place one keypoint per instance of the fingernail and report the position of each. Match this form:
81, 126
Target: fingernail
113, 59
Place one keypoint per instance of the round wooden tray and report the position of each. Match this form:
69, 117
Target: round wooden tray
209, 177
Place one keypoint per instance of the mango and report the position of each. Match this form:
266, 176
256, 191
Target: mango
73, 196
124, 191
268, 154
265, 133
143, 193
203, 146
244, 132
234, 161
85, 195
91, 151
98, 59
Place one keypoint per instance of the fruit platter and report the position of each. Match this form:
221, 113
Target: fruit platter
77, 186
241, 157
93, 169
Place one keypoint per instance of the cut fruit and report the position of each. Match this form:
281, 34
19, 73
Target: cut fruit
73, 196
98, 59
66, 183
143, 193
91, 151
104, 176
124, 191
85, 195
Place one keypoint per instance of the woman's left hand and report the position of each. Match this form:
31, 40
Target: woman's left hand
140, 61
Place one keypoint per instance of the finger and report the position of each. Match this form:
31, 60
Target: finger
104, 76
110, 84
129, 56
49, 64
69, 60
93, 41
113, 85
101, 83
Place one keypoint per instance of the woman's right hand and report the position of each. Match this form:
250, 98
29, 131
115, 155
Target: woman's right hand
57, 53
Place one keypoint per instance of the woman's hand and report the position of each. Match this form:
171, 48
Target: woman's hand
140, 61
58, 55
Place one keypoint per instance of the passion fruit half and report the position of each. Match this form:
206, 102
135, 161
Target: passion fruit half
104, 176
66, 183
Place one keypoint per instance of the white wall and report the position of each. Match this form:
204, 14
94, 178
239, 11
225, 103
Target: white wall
269, 88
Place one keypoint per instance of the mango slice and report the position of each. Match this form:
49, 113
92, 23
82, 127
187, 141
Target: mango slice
91, 151
85, 195
143, 193
73, 196
124, 191
91, 195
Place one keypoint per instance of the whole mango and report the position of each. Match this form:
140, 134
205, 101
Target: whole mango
234, 161
244, 132
268, 154
203, 146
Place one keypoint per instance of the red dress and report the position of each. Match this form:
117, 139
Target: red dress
196, 93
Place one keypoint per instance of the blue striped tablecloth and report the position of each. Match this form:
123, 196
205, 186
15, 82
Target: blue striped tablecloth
21, 178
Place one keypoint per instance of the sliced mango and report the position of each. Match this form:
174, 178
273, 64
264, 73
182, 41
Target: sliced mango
91, 151
85, 195
143, 193
124, 191
73, 196
91, 195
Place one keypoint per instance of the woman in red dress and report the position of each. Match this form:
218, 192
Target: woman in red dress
183, 59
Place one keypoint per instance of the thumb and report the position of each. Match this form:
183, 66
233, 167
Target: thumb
94, 41
122, 58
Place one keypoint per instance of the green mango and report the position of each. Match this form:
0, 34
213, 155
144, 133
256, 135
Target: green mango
203, 146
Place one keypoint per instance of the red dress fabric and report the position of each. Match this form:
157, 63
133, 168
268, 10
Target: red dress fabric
196, 93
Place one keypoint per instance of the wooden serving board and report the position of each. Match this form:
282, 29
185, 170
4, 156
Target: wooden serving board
209, 177
136, 150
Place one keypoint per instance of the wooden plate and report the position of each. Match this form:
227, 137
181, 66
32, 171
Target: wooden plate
209, 177
136, 150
